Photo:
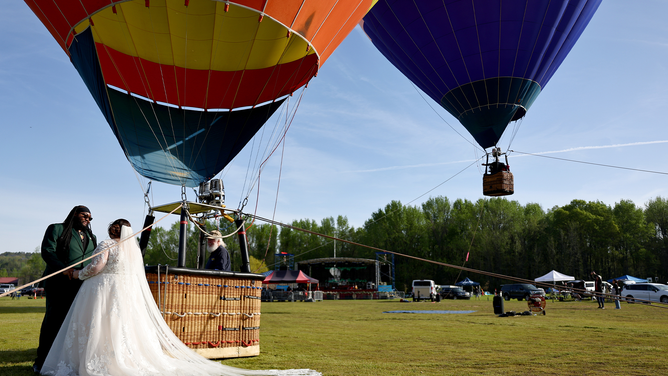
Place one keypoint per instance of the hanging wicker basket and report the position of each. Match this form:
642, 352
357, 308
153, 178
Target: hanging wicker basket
501, 183
215, 313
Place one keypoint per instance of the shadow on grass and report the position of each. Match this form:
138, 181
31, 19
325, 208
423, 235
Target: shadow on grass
22, 310
17, 370
16, 356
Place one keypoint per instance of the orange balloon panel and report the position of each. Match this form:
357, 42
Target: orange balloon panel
203, 53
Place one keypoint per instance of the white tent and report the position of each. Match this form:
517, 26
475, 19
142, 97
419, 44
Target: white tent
554, 276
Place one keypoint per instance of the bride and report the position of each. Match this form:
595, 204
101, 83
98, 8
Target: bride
115, 328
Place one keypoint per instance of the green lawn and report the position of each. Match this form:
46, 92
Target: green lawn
357, 338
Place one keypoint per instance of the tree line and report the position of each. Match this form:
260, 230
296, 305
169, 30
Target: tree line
497, 234
26, 266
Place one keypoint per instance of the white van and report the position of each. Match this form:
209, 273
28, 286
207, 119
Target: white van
590, 286
424, 289
5, 287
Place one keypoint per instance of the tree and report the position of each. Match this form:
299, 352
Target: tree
33, 268
262, 241
634, 234
656, 215
401, 229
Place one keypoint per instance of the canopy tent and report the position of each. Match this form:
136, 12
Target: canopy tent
554, 276
289, 276
628, 278
467, 282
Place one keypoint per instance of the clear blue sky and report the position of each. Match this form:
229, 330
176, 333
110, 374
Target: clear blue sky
363, 134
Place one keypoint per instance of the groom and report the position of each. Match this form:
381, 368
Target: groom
64, 244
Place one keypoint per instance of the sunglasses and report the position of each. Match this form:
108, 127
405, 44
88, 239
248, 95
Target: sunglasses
87, 217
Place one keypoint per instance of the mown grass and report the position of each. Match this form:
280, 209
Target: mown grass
357, 338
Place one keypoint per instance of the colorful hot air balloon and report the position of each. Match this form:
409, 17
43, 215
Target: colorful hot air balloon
484, 61
185, 84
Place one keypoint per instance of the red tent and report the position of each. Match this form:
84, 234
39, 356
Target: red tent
289, 276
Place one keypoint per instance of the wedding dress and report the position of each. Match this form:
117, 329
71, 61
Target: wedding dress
115, 328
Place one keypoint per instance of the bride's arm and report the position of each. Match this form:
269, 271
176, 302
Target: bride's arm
99, 261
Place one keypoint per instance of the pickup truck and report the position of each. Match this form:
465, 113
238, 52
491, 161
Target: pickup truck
520, 291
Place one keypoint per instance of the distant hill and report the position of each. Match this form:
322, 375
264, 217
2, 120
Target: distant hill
26, 266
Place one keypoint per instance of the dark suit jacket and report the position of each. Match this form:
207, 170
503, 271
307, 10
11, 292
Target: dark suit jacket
55, 262
219, 260
60, 290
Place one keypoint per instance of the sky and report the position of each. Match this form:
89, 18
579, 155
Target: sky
363, 135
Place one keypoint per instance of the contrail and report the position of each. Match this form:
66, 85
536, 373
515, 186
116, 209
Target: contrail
601, 147
394, 168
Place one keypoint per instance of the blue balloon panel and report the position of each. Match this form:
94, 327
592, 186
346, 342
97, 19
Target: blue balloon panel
484, 61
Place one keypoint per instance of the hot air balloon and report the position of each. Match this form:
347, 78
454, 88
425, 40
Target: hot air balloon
484, 61
185, 84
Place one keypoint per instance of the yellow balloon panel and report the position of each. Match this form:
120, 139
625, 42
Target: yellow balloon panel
202, 38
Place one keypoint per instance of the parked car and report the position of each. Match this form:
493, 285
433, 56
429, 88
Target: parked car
653, 292
520, 291
454, 292
27, 290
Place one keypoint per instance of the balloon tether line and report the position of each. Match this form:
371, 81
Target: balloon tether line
90, 257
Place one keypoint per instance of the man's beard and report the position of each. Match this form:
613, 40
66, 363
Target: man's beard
212, 248
78, 225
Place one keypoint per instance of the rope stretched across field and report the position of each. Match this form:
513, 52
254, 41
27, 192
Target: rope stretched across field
463, 268
88, 258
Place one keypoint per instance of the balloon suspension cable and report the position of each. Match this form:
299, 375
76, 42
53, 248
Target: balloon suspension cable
431, 190
273, 215
442, 118
462, 268
91, 256
591, 163
184, 197
147, 200
482, 210
200, 227
281, 141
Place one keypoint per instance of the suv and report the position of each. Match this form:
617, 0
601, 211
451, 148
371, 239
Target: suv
650, 292
520, 291
5, 287
454, 292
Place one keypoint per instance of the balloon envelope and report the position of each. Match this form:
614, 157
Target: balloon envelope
484, 61
185, 84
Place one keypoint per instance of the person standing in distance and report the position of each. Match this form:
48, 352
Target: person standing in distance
63, 244
219, 258
598, 288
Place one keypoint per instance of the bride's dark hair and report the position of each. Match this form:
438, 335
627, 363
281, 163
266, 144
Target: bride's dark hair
114, 229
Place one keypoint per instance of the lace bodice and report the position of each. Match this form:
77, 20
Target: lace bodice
107, 261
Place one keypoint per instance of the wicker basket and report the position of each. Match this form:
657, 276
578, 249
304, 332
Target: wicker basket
500, 184
215, 313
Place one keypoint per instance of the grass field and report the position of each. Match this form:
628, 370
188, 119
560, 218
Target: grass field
358, 338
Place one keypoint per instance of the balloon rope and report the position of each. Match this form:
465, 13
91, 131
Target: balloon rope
445, 121
477, 271
208, 234
90, 257
482, 209
592, 163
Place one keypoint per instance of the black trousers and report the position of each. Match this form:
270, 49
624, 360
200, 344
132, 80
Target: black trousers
60, 293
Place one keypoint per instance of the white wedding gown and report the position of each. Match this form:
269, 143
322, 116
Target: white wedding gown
115, 328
